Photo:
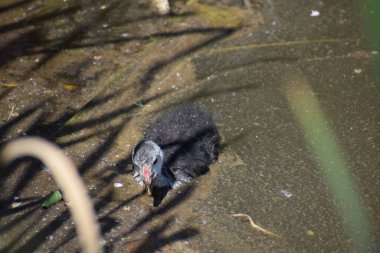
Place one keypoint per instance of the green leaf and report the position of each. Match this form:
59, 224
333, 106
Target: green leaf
52, 199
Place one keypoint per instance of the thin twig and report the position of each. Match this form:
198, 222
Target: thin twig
255, 226
10, 115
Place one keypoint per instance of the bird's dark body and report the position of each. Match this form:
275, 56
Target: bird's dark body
189, 139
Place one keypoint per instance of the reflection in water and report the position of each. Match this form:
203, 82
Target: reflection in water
328, 153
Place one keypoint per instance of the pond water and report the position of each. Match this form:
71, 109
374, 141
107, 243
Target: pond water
293, 95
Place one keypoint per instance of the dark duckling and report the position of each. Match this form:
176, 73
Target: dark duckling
177, 148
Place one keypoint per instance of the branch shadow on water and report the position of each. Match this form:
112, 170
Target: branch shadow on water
221, 34
156, 240
106, 221
30, 41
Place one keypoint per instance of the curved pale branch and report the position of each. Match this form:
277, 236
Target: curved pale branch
68, 180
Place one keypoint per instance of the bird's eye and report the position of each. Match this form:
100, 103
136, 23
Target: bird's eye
155, 161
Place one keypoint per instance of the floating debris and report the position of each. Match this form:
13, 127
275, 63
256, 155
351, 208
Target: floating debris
71, 87
52, 199
254, 225
286, 193
15, 204
12, 113
117, 185
314, 13
8, 84
162, 6
139, 104
358, 71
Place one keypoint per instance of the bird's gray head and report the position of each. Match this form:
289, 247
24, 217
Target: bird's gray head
148, 159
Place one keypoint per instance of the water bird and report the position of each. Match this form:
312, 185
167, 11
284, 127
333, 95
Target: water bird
177, 148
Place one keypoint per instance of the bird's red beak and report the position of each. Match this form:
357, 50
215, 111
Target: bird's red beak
148, 175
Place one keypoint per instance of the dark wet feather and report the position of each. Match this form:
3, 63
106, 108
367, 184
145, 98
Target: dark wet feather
189, 139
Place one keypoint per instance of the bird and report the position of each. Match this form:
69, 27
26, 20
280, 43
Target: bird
176, 149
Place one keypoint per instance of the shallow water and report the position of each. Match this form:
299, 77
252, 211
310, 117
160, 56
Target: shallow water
293, 96
299, 109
